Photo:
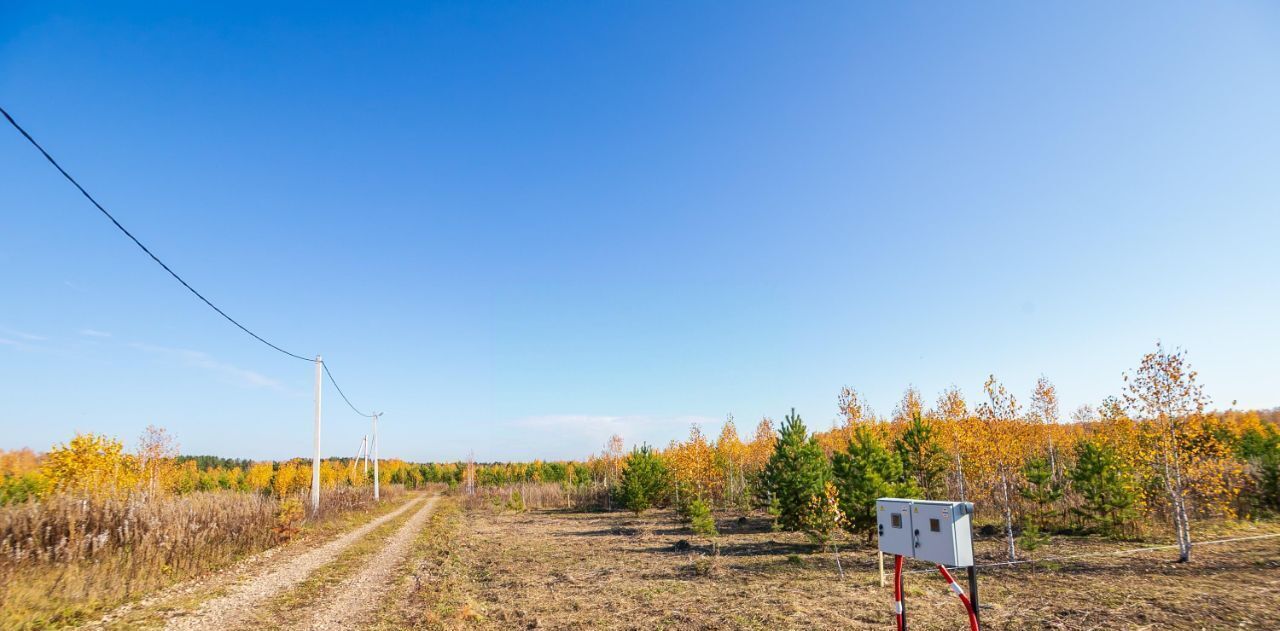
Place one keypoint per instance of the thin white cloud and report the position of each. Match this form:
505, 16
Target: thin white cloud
94, 333
30, 337
20, 340
233, 373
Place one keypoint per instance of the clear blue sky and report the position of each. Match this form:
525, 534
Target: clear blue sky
519, 227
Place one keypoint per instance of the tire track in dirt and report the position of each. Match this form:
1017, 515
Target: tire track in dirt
358, 595
235, 607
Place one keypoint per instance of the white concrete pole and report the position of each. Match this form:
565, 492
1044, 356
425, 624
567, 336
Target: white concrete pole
355, 462
315, 456
364, 453
376, 481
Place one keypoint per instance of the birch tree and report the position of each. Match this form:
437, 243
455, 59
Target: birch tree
1164, 393
1001, 449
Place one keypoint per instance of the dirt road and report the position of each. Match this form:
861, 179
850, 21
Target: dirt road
360, 593
236, 608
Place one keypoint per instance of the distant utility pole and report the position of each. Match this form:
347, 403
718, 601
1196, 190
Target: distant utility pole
470, 475
376, 481
364, 453
315, 457
360, 454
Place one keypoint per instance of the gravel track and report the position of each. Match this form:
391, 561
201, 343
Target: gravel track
360, 593
235, 608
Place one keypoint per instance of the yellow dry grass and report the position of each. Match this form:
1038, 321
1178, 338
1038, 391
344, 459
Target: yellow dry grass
490, 569
65, 560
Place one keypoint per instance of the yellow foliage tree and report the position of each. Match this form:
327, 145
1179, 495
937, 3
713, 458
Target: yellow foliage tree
693, 465
258, 477
1163, 394
91, 464
730, 458
998, 444
909, 407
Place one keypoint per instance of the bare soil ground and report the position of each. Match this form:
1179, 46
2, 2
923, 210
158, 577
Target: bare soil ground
351, 603
566, 570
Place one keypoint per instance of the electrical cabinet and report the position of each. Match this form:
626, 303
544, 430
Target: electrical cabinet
938, 532
942, 531
893, 523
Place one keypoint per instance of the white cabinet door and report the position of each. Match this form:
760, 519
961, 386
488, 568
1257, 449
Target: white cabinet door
893, 524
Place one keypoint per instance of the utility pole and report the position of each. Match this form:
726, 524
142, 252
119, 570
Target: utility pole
376, 481
364, 453
315, 457
360, 454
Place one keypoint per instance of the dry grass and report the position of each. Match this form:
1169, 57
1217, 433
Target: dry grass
64, 560
491, 569
538, 496
180, 599
434, 592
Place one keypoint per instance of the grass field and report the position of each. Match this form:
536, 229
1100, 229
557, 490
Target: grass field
65, 562
572, 570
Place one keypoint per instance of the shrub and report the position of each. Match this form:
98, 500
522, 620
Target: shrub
516, 503
20, 488
289, 518
824, 519
1032, 537
90, 464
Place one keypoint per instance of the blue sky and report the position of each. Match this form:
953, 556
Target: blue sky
519, 227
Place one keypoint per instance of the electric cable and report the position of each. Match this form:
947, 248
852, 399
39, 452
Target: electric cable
165, 266
339, 389
1086, 555
899, 607
136, 241
968, 606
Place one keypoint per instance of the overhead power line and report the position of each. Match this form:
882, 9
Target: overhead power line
162, 264
339, 389
135, 239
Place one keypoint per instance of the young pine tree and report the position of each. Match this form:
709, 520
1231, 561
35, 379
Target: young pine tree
704, 524
1042, 490
1107, 489
643, 481
864, 473
795, 472
923, 457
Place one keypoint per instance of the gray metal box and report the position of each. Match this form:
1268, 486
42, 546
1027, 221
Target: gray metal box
893, 523
942, 531
939, 532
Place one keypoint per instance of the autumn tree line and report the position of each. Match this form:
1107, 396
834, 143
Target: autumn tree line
1149, 457
99, 466
1153, 455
